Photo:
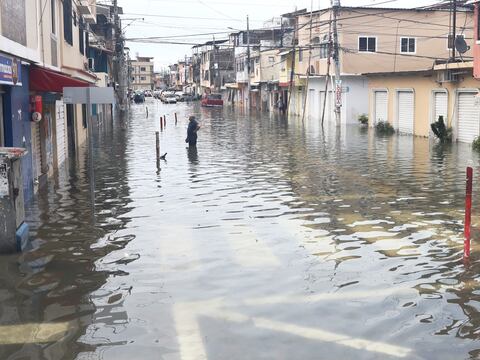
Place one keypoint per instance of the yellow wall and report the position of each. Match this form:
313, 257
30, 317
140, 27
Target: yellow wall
423, 85
429, 28
80, 131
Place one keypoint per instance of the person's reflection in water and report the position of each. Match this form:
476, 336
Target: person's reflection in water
192, 154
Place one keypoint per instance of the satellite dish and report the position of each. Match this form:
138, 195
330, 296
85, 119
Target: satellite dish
461, 45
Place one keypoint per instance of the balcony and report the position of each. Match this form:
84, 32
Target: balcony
87, 9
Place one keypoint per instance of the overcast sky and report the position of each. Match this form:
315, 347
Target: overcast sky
175, 19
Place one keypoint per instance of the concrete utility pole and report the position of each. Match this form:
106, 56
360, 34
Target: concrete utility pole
336, 59
454, 27
120, 69
185, 81
248, 64
292, 71
215, 67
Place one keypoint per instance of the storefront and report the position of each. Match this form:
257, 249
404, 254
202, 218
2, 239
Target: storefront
58, 123
2, 126
15, 113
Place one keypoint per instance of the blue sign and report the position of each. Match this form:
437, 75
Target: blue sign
10, 70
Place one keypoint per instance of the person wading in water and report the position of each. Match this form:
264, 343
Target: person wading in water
192, 129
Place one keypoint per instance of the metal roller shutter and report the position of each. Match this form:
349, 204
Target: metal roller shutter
37, 150
440, 106
405, 112
468, 117
312, 106
381, 108
61, 130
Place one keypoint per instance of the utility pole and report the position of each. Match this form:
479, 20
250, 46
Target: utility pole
292, 71
120, 68
307, 91
454, 26
186, 68
215, 67
248, 64
336, 59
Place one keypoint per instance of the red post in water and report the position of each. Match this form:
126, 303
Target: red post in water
161, 123
175, 118
468, 213
165, 120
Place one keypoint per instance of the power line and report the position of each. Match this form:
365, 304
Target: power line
185, 17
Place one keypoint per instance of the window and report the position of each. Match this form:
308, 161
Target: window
324, 53
143, 68
407, 45
300, 55
67, 21
367, 44
81, 37
52, 7
143, 78
133, 78
271, 59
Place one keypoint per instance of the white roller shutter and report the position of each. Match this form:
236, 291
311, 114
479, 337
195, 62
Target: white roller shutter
37, 150
312, 106
468, 117
61, 130
405, 112
440, 106
381, 106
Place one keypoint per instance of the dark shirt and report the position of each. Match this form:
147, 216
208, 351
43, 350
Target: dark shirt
192, 132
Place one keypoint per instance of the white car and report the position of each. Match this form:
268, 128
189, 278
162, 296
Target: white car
170, 99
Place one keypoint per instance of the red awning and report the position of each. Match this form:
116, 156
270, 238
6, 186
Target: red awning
42, 79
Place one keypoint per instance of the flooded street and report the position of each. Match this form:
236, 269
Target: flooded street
271, 240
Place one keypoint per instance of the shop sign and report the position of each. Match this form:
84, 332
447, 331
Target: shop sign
9, 70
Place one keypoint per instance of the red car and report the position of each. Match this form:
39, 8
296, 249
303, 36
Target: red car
212, 100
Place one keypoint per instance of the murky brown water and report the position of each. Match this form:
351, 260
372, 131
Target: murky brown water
271, 241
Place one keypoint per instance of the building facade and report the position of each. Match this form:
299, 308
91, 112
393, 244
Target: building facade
371, 41
142, 74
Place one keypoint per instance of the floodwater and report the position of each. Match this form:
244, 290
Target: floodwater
271, 240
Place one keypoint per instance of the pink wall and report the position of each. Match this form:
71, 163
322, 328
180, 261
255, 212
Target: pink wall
476, 47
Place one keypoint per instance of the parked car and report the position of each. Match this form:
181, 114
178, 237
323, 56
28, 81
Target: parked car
180, 95
212, 100
139, 97
148, 93
189, 97
156, 94
164, 94
170, 99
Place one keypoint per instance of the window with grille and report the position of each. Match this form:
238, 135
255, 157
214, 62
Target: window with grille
81, 36
67, 21
407, 45
324, 50
367, 44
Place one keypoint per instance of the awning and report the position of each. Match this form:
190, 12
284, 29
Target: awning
285, 52
42, 79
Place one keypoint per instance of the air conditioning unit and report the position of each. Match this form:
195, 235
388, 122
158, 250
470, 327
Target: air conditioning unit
447, 76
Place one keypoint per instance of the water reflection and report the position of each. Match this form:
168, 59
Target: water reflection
274, 239
192, 154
